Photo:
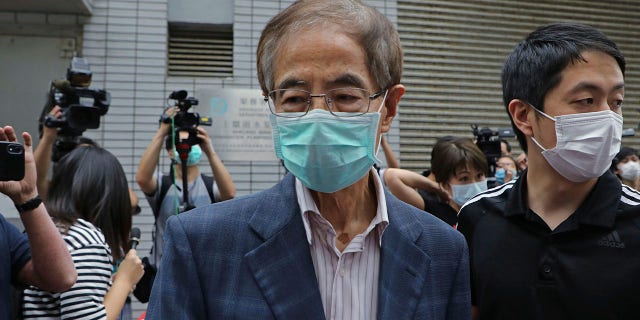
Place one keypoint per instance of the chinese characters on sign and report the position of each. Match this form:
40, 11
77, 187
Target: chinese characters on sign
240, 128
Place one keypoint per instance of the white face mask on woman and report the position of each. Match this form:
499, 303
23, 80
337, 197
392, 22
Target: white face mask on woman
585, 144
630, 170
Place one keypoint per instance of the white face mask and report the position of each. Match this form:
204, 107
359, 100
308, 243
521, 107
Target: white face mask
585, 144
630, 170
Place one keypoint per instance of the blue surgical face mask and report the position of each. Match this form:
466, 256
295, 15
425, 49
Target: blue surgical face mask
325, 152
463, 192
194, 155
500, 174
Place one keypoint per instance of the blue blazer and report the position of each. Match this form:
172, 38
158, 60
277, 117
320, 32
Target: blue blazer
249, 258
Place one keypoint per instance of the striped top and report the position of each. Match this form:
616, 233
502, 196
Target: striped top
92, 259
348, 280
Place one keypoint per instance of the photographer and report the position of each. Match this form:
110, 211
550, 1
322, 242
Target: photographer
163, 200
43, 155
64, 118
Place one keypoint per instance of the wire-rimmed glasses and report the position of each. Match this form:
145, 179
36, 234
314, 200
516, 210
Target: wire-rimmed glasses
341, 102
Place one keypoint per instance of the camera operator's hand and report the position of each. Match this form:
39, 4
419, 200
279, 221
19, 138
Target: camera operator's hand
205, 142
56, 112
25, 189
165, 128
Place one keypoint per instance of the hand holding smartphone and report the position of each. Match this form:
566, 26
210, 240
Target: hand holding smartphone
17, 166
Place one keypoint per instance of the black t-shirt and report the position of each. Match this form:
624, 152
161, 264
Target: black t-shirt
442, 210
587, 268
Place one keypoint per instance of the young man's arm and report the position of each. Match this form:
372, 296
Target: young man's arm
51, 267
226, 187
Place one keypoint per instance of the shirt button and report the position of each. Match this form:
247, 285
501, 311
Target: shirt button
342, 272
546, 272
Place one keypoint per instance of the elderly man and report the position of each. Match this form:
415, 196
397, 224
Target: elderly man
327, 242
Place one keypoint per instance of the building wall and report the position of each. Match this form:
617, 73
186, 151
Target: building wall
454, 52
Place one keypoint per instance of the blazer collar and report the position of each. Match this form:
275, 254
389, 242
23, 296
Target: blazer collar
282, 265
403, 267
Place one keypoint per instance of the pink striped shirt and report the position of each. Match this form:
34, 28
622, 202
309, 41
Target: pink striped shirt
348, 280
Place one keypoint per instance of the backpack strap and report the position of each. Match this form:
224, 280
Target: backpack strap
208, 182
165, 183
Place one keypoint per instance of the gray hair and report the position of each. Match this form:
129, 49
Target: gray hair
366, 25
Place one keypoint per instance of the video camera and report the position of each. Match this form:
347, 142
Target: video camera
488, 141
81, 106
183, 120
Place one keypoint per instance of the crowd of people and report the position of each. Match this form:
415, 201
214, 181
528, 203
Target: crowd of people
543, 236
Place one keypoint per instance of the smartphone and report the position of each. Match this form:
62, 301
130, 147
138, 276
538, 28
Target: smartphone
11, 161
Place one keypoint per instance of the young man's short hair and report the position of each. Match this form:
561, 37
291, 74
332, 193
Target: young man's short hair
535, 65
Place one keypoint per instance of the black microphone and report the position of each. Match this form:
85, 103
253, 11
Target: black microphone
135, 237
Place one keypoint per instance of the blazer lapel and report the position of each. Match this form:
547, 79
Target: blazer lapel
282, 265
402, 276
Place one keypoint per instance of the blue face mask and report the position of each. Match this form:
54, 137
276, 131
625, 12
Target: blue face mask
194, 155
463, 192
326, 153
500, 174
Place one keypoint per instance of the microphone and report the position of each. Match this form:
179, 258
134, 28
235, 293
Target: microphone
135, 237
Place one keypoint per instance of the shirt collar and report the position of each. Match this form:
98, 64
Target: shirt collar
308, 206
599, 208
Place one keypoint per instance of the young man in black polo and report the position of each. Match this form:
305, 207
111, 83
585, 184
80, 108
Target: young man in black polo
560, 242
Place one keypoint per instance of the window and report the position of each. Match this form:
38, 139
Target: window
199, 50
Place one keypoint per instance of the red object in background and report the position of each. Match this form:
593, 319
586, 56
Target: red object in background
142, 315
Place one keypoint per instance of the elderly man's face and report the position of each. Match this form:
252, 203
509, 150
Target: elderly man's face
321, 59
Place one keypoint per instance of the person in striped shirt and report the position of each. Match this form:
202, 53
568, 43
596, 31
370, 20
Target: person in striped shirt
89, 202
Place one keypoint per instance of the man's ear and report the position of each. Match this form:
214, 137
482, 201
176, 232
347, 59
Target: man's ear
394, 95
520, 113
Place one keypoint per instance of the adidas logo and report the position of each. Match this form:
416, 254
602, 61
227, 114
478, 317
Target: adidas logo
611, 240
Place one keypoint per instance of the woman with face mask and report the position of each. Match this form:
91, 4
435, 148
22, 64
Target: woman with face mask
626, 166
505, 170
459, 168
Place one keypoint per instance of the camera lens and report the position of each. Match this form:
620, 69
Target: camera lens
15, 148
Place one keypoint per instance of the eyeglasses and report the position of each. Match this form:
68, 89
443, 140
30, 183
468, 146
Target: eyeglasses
342, 102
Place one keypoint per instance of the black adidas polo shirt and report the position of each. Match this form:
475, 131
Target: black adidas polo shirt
587, 268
